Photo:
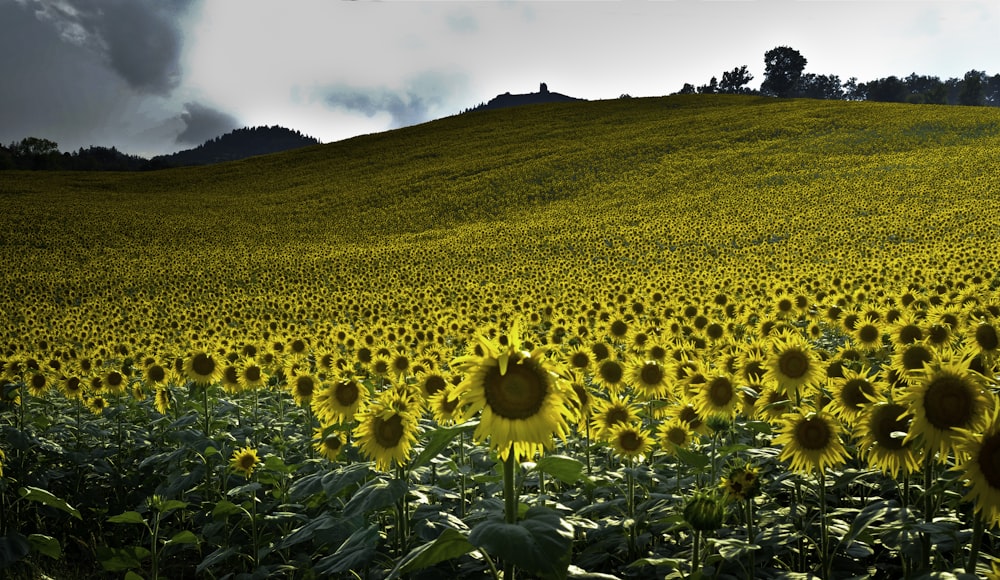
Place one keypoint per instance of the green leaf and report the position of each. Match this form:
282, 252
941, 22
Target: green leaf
127, 518
375, 495
762, 427
354, 554
172, 504
450, 544
45, 497
275, 463
183, 537
565, 469
130, 575
45, 545
121, 559
539, 545
225, 508
874, 512
692, 458
215, 558
308, 531
438, 439
670, 563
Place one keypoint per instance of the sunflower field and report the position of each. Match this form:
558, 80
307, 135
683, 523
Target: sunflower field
683, 337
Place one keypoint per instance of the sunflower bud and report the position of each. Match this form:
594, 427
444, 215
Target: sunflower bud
704, 512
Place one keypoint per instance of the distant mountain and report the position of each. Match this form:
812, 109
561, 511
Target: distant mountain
508, 100
238, 144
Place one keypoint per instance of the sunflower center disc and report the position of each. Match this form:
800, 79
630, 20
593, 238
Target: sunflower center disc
886, 422
518, 394
989, 459
813, 434
721, 392
252, 374
346, 393
915, 357
388, 432
986, 337
856, 393
629, 441
793, 364
651, 374
948, 403
434, 384
156, 373
203, 365
677, 436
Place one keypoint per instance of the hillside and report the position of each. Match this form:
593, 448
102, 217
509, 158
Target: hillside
342, 339
235, 145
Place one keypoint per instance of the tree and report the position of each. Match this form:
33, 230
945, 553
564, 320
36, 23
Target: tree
973, 90
711, 88
783, 67
814, 86
735, 81
887, 90
687, 89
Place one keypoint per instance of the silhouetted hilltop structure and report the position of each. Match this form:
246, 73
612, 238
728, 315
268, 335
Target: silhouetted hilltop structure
235, 145
508, 100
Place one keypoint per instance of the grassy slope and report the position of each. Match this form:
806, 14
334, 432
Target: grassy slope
712, 189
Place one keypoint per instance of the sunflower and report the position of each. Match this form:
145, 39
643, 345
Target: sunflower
202, 369
444, 406
610, 374
867, 336
250, 374
303, 387
851, 392
162, 398
880, 429
630, 440
328, 442
339, 400
718, 397
155, 375
742, 482
96, 404
946, 397
792, 364
607, 413
38, 383
72, 387
648, 378
580, 359
582, 402
244, 460
431, 382
674, 434
384, 435
811, 442
523, 397
231, 379
114, 382
980, 468
909, 360
688, 413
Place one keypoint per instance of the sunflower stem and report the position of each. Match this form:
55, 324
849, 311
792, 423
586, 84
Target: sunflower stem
824, 532
977, 542
510, 503
750, 535
925, 538
461, 470
587, 447
695, 552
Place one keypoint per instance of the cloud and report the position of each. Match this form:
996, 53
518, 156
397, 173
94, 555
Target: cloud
202, 123
422, 98
139, 39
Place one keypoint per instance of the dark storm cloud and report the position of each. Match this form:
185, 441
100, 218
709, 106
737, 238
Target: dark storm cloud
139, 39
202, 123
409, 106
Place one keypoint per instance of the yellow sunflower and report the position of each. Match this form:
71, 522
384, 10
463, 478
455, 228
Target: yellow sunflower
522, 395
630, 440
610, 412
980, 468
385, 435
162, 398
647, 377
97, 404
718, 397
673, 434
250, 374
811, 442
339, 400
946, 397
880, 429
792, 364
851, 392
202, 368
444, 406
72, 387
329, 442
244, 460
303, 387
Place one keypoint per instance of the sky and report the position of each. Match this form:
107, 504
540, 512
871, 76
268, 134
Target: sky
157, 76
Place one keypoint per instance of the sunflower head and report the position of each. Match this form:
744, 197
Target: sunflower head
631, 441
244, 460
811, 442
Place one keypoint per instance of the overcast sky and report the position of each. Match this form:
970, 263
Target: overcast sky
157, 76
